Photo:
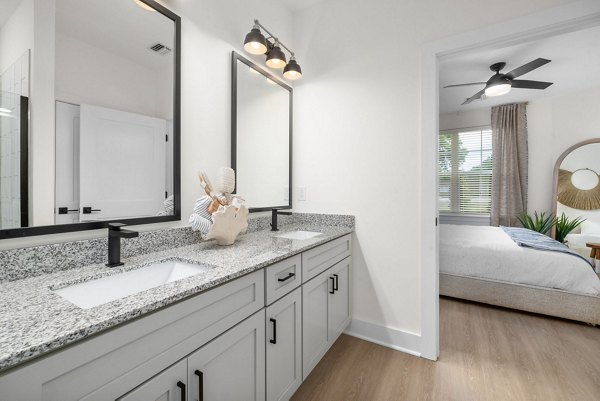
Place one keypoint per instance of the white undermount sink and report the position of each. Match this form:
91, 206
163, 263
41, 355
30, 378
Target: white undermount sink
92, 293
299, 235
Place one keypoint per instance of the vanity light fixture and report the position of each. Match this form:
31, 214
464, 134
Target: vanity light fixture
143, 5
256, 43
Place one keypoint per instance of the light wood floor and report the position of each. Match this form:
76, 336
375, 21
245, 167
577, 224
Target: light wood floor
487, 353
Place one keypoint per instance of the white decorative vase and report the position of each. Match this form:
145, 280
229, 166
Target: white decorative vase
228, 222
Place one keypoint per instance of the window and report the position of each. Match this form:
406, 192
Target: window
465, 171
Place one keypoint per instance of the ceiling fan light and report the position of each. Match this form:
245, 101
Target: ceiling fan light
255, 42
292, 70
276, 57
497, 90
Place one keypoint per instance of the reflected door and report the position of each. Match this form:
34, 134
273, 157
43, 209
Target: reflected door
122, 164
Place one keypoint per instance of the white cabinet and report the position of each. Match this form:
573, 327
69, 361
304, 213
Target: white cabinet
282, 277
170, 385
284, 347
232, 366
314, 321
325, 312
222, 344
339, 301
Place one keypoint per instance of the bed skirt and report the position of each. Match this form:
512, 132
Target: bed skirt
547, 301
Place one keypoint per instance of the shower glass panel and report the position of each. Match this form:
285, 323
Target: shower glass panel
14, 128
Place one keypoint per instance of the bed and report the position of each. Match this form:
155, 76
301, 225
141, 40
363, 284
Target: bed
484, 264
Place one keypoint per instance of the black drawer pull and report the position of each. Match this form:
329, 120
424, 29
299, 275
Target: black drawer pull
200, 384
181, 386
89, 210
332, 291
286, 278
336, 282
274, 339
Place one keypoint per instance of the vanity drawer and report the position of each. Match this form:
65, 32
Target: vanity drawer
282, 277
319, 259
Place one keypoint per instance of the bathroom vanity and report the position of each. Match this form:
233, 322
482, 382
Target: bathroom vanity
250, 327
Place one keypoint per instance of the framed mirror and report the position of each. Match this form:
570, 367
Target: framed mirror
261, 136
115, 93
576, 191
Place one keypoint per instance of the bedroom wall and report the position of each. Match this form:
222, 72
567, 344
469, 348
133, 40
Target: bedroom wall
356, 138
465, 119
554, 124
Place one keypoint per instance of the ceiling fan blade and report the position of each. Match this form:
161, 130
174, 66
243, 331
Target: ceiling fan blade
470, 83
474, 97
524, 69
525, 84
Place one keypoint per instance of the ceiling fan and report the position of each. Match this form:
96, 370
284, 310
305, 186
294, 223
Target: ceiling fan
500, 84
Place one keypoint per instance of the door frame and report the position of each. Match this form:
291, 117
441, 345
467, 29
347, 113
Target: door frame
558, 20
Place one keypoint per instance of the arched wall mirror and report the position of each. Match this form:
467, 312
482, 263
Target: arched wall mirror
577, 190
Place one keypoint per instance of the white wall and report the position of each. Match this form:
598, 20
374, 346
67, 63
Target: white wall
466, 119
554, 125
16, 35
356, 144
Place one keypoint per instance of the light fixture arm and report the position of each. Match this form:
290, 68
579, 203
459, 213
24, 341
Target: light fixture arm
271, 36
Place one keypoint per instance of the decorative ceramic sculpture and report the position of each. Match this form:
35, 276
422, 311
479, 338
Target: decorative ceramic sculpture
220, 215
228, 222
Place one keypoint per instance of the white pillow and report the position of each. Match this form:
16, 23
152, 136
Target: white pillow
590, 227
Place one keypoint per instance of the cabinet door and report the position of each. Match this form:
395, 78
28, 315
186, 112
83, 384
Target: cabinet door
232, 366
315, 294
166, 386
339, 301
284, 347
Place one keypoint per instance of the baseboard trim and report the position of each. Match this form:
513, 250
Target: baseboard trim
399, 340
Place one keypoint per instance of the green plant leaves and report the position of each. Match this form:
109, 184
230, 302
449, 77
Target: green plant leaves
543, 222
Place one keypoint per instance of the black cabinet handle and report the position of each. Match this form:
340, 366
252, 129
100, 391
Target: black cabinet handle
274, 339
200, 384
336, 282
89, 210
289, 276
181, 386
332, 291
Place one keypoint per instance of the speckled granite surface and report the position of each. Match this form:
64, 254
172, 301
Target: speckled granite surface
17, 264
35, 320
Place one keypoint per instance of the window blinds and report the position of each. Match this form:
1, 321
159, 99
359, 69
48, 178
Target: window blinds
465, 171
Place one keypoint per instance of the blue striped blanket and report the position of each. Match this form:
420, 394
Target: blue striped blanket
532, 239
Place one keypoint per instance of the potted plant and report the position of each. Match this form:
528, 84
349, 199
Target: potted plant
564, 225
541, 223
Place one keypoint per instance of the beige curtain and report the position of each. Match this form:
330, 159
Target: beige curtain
509, 171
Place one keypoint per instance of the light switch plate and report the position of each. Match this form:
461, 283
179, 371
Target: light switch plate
302, 193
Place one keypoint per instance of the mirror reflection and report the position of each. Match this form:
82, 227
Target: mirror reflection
113, 102
578, 193
262, 137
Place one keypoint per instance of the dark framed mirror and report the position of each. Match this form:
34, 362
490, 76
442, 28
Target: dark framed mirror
261, 136
116, 143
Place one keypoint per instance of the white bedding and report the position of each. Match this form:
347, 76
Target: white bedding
489, 253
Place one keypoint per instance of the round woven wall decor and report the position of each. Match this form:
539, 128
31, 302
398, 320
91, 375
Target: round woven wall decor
576, 198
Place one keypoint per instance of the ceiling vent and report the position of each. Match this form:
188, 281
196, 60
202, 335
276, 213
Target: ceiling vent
160, 49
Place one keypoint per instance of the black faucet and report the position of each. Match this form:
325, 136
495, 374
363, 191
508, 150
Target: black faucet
274, 213
114, 242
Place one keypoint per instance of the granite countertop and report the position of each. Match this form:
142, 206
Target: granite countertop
35, 320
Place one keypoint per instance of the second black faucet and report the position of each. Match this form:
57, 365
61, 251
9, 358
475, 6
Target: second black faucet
274, 213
